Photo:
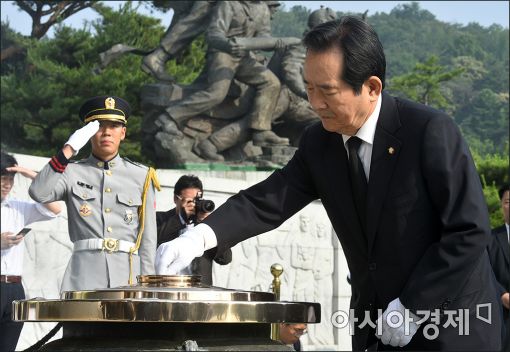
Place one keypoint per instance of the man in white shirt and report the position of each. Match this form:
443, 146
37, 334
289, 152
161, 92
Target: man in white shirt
16, 214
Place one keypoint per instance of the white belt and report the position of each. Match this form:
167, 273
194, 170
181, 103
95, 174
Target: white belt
108, 244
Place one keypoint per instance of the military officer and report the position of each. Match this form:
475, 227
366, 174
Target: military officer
110, 201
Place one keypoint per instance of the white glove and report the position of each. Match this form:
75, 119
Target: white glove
175, 255
397, 336
81, 136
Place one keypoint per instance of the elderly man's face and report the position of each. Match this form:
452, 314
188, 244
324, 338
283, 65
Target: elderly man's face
341, 110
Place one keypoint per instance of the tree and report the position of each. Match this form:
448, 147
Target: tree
39, 107
37, 10
423, 84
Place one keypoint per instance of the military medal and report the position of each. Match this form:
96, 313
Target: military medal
128, 217
85, 210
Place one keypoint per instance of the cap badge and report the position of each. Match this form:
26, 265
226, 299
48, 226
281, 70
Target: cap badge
109, 103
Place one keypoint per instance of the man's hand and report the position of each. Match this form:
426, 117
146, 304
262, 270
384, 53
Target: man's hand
175, 255
8, 240
236, 49
505, 299
23, 171
396, 336
80, 137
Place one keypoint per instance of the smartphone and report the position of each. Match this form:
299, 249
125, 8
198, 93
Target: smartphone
23, 232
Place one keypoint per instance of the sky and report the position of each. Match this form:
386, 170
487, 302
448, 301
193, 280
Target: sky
485, 13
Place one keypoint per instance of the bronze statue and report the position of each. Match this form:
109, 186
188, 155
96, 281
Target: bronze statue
221, 116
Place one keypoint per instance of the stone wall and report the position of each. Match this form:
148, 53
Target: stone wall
306, 246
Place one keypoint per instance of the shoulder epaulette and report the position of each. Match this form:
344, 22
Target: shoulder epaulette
135, 163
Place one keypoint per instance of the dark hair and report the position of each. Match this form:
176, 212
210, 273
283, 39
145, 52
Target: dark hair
7, 161
359, 44
502, 190
187, 181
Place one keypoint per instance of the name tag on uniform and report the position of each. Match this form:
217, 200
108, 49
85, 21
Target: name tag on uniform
83, 184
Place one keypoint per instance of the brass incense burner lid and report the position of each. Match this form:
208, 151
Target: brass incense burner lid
171, 287
162, 298
169, 280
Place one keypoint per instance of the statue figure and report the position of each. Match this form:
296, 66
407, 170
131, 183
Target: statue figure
190, 19
228, 58
238, 102
292, 105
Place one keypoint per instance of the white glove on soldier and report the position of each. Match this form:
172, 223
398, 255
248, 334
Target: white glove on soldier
397, 336
81, 136
175, 255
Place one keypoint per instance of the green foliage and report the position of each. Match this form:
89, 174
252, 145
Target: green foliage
186, 69
423, 83
291, 23
494, 172
41, 96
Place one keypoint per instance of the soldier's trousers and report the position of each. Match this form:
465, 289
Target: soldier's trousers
222, 69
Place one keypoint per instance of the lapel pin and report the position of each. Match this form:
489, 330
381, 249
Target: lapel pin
391, 150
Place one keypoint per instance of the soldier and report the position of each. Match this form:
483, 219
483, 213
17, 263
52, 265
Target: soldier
190, 20
110, 201
229, 58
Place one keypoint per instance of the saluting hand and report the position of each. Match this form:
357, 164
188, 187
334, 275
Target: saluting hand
81, 136
23, 171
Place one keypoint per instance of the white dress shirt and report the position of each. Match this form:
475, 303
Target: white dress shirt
366, 133
16, 214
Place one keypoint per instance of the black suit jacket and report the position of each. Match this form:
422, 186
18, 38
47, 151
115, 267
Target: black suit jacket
499, 253
427, 221
169, 225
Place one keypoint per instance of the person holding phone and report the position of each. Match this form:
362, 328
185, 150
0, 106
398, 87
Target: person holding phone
16, 214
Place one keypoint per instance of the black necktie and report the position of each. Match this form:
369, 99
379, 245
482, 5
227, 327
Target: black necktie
358, 180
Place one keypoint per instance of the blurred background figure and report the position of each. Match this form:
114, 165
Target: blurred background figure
190, 209
290, 334
16, 214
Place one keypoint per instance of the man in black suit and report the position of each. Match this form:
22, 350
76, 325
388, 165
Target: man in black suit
400, 188
499, 253
184, 216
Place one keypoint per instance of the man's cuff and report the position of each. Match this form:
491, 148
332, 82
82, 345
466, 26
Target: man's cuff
59, 162
209, 236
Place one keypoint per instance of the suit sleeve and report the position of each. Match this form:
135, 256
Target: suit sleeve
147, 250
266, 205
498, 264
224, 258
456, 195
